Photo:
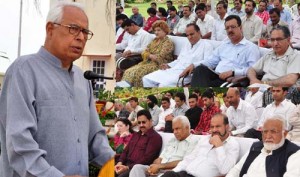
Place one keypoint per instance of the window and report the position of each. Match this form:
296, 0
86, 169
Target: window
98, 66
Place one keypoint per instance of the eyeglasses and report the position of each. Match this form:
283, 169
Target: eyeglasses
141, 122
75, 30
230, 27
277, 39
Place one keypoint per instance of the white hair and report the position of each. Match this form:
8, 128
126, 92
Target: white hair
279, 118
184, 120
56, 12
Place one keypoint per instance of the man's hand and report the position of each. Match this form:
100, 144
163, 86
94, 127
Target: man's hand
164, 66
119, 168
153, 169
216, 141
225, 75
169, 117
126, 53
187, 70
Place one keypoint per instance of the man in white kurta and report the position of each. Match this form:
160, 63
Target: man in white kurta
241, 115
193, 52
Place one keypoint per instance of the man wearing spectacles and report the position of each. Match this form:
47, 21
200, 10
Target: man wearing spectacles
232, 58
274, 156
281, 66
49, 124
143, 148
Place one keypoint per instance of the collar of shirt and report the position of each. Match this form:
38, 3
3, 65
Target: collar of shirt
195, 45
251, 18
242, 42
138, 32
240, 105
150, 132
288, 52
51, 59
282, 104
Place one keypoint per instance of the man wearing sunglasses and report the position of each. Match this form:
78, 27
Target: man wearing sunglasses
48, 122
143, 148
281, 66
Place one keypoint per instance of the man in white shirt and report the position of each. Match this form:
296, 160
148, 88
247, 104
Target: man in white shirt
214, 155
137, 43
179, 146
219, 32
252, 24
242, 115
205, 21
134, 103
274, 156
280, 106
254, 97
166, 110
187, 18
237, 9
192, 53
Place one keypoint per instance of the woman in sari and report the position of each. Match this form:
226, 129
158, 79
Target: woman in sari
158, 52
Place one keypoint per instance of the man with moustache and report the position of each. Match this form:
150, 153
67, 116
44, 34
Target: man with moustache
242, 115
166, 110
219, 32
252, 24
143, 148
275, 156
280, 67
214, 155
192, 53
48, 122
188, 17
176, 148
232, 58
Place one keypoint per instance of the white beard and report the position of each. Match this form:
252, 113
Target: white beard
272, 146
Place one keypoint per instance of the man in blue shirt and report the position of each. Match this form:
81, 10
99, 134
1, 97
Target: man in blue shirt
232, 58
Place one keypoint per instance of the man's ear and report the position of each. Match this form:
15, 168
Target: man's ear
49, 28
285, 133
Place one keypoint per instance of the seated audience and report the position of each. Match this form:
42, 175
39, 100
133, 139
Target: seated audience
166, 110
219, 32
151, 19
262, 12
205, 21
232, 58
295, 30
143, 148
254, 97
285, 15
294, 121
121, 36
252, 24
137, 17
134, 104
179, 146
237, 9
162, 14
153, 109
158, 52
209, 110
172, 19
214, 155
279, 66
241, 115
193, 114
273, 156
224, 107
137, 43
280, 106
122, 137
179, 110
188, 17
121, 111
192, 53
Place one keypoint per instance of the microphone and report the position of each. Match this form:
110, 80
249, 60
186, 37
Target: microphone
90, 75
